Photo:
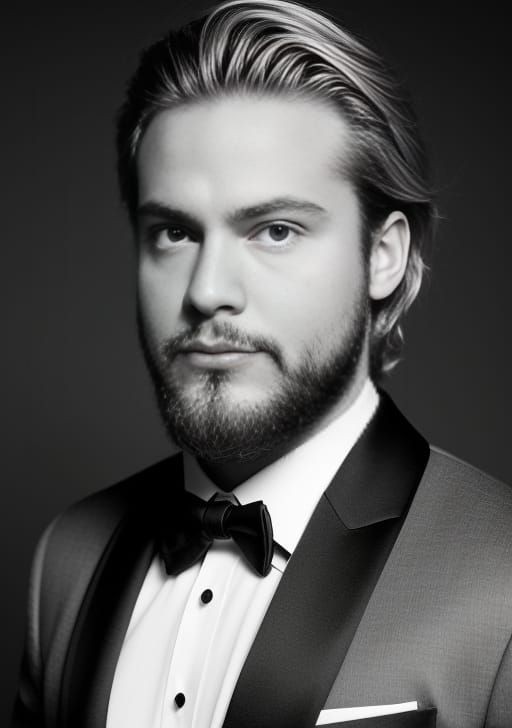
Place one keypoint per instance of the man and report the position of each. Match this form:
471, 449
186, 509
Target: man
277, 189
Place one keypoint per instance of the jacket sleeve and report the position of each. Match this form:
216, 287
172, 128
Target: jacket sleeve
28, 709
499, 713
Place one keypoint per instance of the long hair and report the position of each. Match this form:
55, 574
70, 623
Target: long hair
281, 47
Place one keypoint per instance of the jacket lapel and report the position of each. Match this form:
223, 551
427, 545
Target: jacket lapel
108, 604
329, 579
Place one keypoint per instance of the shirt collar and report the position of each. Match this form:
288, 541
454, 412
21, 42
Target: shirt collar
292, 486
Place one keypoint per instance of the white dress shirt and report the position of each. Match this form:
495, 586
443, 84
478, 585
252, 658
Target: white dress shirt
189, 635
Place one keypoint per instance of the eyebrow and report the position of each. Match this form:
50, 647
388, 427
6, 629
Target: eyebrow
166, 212
251, 212
279, 204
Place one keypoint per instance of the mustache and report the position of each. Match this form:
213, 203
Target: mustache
226, 332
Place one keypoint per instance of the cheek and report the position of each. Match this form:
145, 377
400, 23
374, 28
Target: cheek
160, 300
318, 299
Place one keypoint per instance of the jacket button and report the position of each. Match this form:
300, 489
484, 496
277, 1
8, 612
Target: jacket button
179, 699
207, 596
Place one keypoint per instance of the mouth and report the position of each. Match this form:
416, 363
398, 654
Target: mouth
215, 354
215, 347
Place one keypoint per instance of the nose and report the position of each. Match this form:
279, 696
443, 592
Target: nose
217, 282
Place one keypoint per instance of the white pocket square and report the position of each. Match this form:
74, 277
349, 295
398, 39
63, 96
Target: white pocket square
341, 715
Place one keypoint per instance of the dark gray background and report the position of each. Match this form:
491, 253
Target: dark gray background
77, 407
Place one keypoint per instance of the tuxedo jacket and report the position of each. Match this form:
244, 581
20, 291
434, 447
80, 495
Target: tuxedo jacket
399, 590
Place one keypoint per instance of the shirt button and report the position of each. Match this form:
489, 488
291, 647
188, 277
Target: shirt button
179, 699
207, 596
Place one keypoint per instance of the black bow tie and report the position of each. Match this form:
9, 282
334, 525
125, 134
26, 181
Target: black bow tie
195, 524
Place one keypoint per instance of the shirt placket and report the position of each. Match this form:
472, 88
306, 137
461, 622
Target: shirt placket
202, 613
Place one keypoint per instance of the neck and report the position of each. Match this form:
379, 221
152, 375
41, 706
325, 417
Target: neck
228, 475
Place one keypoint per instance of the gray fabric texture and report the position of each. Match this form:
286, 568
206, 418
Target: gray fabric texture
440, 619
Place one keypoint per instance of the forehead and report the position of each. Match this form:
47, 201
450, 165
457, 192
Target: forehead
242, 148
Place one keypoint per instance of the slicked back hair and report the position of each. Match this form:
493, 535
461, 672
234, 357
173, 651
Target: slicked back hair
277, 47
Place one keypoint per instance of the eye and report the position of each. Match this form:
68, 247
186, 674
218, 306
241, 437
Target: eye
175, 234
277, 234
165, 237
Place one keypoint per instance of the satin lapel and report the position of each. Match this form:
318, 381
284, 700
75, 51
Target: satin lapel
329, 579
106, 610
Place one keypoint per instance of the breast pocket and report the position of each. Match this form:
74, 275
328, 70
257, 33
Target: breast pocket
425, 718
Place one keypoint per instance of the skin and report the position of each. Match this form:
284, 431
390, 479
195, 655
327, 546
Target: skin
244, 218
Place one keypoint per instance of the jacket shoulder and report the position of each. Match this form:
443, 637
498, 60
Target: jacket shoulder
65, 561
75, 541
460, 477
94, 517
464, 517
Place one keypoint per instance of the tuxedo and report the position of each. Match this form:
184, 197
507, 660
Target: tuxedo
400, 589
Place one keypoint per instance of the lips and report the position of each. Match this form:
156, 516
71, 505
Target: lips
220, 354
215, 347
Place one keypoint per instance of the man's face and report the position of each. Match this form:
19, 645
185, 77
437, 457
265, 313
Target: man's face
252, 286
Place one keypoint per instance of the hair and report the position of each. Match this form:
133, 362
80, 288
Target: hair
279, 47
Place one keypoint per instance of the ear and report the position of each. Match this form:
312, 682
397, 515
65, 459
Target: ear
390, 251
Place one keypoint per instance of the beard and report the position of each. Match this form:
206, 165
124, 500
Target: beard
214, 429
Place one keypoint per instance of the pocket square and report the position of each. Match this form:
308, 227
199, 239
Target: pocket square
342, 715
424, 718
